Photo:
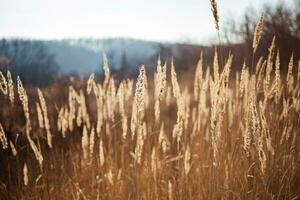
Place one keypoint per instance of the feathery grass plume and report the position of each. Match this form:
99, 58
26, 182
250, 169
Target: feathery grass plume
134, 120
258, 135
277, 81
46, 119
22, 95
10, 84
187, 160
286, 108
216, 66
24, 100
121, 100
157, 111
110, 103
13, 148
100, 104
258, 32
287, 131
202, 108
230, 114
218, 106
290, 77
198, 77
146, 98
84, 113
79, 118
37, 153
62, 122
90, 83
160, 85
284, 116
214, 10
170, 191
139, 103
3, 137
106, 70
225, 74
71, 113
187, 110
141, 132
85, 142
265, 128
246, 130
216, 122
259, 65
65, 122
140, 90
244, 79
174, 81
163, 139
92, 141
269, 66
178, 127
163, 83
260, 75
160, 77
40, 115
3, 84
25, 175
101, 154
60, 118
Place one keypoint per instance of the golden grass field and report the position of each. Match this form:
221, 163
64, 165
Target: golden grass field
220, 135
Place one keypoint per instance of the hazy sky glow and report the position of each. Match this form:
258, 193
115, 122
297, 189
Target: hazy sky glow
161, 20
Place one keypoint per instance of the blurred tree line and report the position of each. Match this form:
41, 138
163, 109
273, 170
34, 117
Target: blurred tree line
28, 59
281, 20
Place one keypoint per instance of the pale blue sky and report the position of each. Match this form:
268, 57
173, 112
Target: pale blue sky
159, 20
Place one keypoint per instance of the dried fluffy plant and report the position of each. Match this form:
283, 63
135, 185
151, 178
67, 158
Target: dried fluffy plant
85, 142
290, 77
45, 117
277, 81
214, 10
3, 84
106, 70
258, 32
24, 100
140, 90
3, 138
10, 87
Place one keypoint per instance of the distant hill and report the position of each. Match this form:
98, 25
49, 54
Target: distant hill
84, 56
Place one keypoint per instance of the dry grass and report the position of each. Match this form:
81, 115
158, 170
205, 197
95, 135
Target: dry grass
209, 139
